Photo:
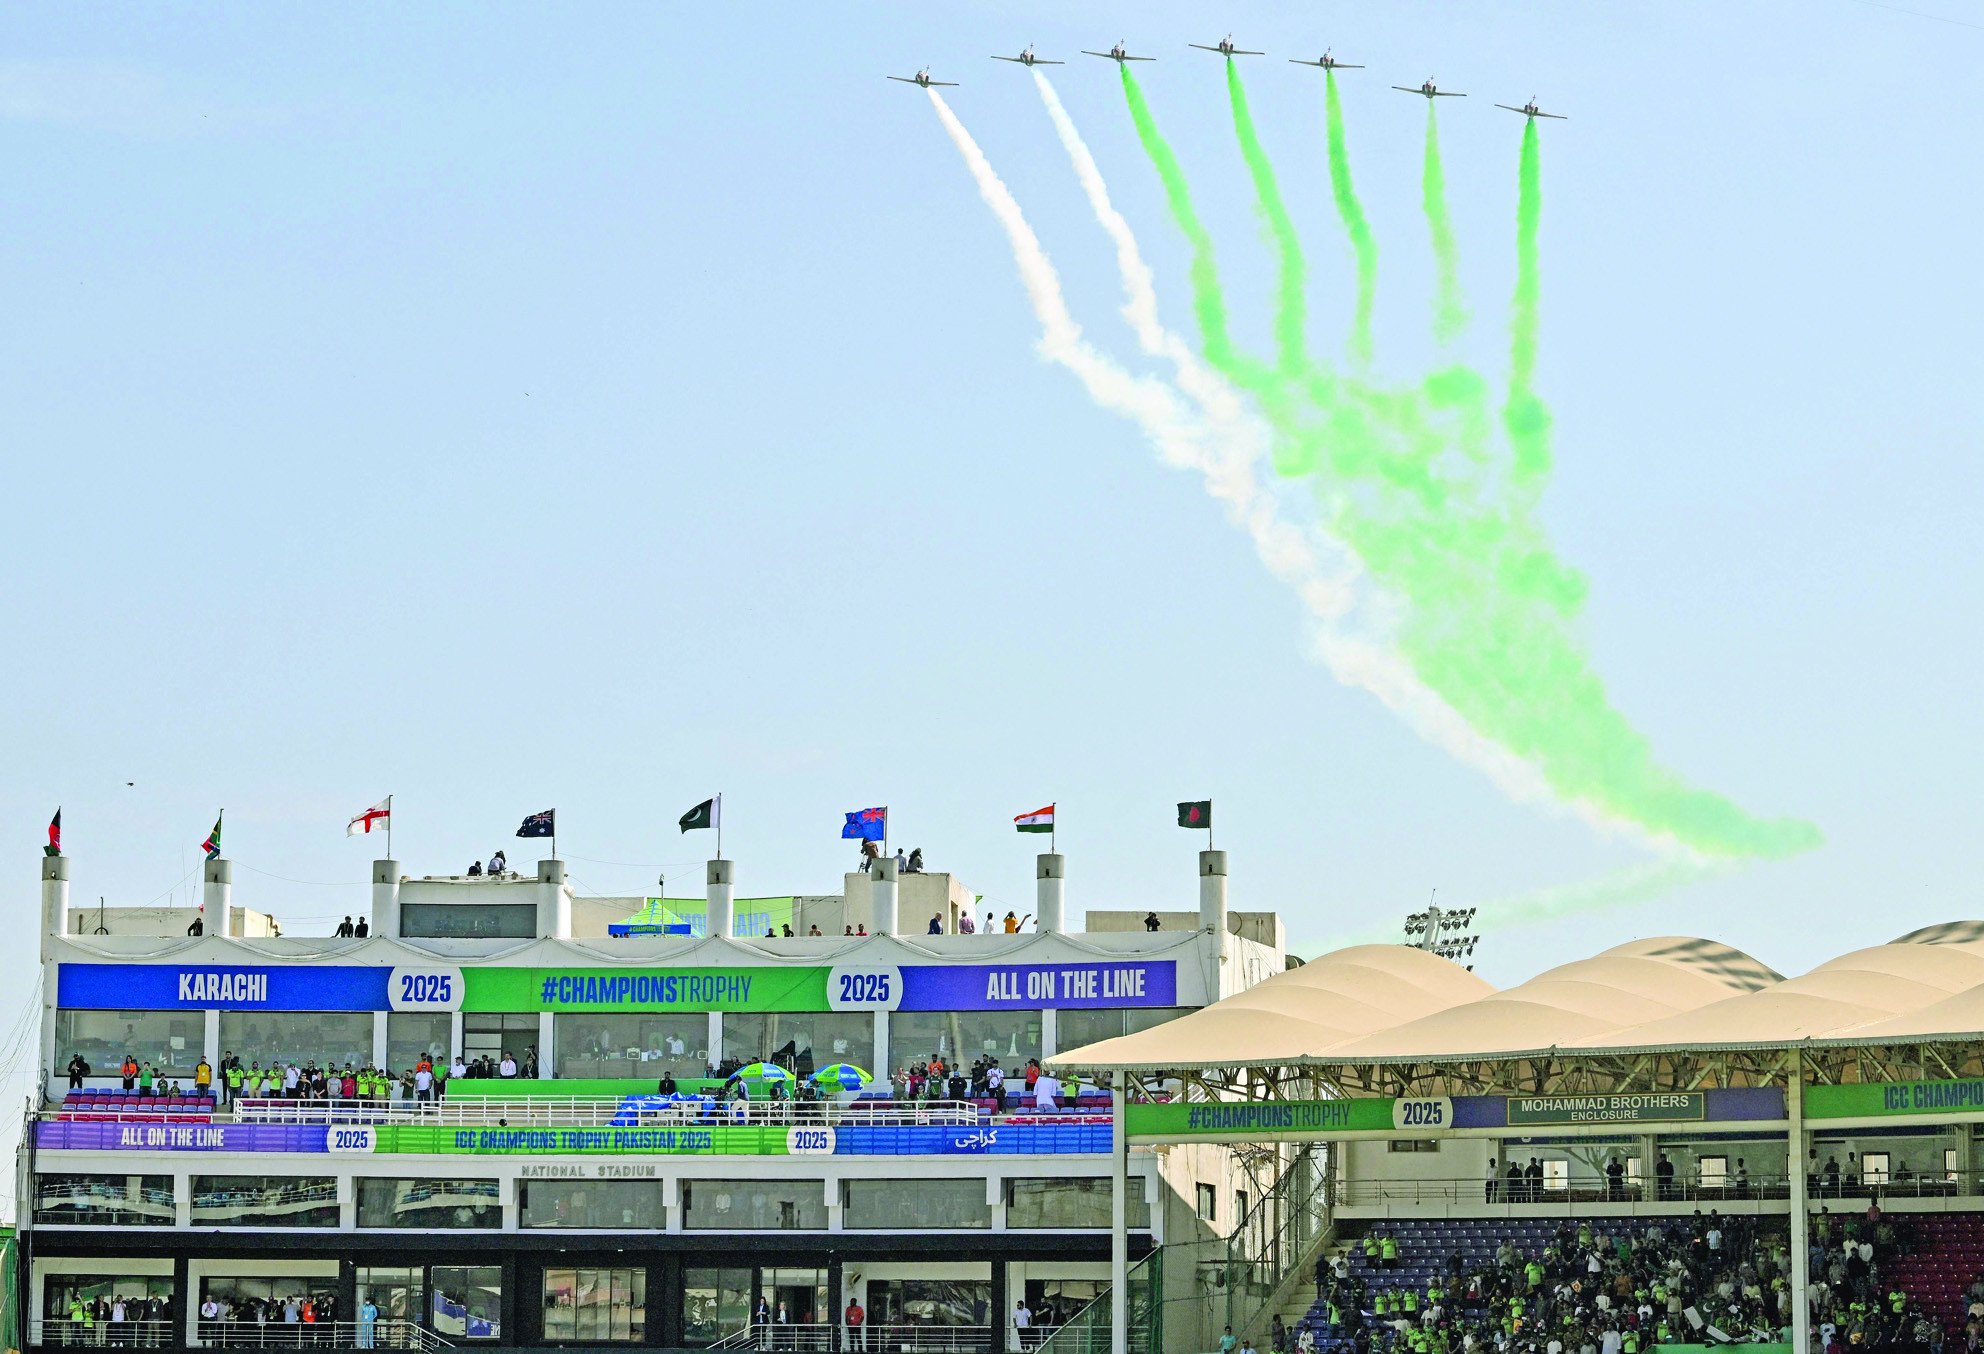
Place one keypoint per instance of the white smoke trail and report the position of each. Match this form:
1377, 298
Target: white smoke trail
1238, 441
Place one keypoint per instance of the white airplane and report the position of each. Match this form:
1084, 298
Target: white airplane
1225, 47
1430, 90
1328, 63
1027, 58
1530, 110
922, 77
1118, 54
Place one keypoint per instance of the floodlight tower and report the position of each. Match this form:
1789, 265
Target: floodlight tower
1443, 931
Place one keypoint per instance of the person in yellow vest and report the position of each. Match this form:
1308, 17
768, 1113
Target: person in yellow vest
1388, 1251
203, 1077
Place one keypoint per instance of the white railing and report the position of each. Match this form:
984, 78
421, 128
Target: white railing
58, 1332
327, 1335
825, 1338
604, 1111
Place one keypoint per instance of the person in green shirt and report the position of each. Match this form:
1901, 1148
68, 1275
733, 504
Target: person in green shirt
145, 1080
1371, 1248
1227, 1342
233, 1079
1388, 1250
1411, 1298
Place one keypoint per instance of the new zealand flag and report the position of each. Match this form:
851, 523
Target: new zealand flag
539, 825
870, 825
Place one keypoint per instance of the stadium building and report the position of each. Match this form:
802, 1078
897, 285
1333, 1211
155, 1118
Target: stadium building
1668, 1143
587, 1177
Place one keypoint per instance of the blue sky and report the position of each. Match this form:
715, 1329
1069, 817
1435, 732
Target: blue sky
504, 408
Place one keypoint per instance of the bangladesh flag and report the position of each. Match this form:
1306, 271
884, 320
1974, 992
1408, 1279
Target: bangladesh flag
1196, 813
703, 815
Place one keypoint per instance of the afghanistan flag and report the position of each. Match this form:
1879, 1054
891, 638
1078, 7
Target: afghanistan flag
212, 844
1196, 813
540, 825
1040, 820
54, 847
703, 815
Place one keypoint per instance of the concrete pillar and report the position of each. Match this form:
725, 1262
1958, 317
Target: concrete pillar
554, 904
54, 897
1119, 1214
385, 899
217, 899
1801, 1263
882, 919
1050, 893
722, 913
1212, 892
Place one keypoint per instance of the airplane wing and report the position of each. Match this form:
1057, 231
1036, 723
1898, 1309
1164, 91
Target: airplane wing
1140, 58
1202, 47
1408, 89
947, 84
1043, 61
908, 80
1559, 116
1241, 51
1447, 94
1009, 58
1104, 55
1511, 107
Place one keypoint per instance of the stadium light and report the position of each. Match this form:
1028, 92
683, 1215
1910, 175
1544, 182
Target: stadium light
1443, 932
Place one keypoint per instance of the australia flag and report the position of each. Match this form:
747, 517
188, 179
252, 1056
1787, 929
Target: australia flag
870, 825
540, 825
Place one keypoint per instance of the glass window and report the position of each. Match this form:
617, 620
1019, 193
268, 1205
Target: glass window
265, 1201
147, 1300
595, 1304
926, 1203
491, 1036
737, 1205
169, 1041
715, 1303
803, 1295
1077, 1202
1557, 1175
632, 1044
255, 1298
589, 1203
468, 1300
387, 1202
1010, 1036
1208, 1202
1074, 1029
1874, 1167
394, 1291
482, 921
325, 1038
929, 1302
1713, 1172
412, 1033
806, 1041
104, 1200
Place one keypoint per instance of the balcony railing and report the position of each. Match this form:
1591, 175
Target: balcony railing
616, 1111
909, 1338
1713, 1189
57, 1332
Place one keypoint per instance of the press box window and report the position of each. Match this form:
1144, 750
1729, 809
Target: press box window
453, 921
384, 1201
595, 1304
265, 1201
1075, 1202
104, 1200
754, 1205
1413, 1145
601, 1204
170, 1042
927, 1204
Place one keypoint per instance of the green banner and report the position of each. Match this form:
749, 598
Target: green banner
1651, 1108
1214, 1121
512, 990
719, 1140
1881, 1099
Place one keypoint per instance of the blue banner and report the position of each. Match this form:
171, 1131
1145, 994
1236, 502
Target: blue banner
998, 987
225, 987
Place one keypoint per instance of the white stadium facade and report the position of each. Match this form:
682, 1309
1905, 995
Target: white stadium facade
1188, 1131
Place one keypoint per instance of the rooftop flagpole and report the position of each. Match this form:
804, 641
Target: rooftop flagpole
719, 825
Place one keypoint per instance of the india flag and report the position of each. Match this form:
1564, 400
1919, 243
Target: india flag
1040, 820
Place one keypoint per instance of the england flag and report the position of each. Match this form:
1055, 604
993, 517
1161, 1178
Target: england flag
375, 819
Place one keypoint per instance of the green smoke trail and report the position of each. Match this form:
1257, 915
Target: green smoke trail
1351, 212
1208, 300
1290, 306
1449, 315
1486, 612
1525, 418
